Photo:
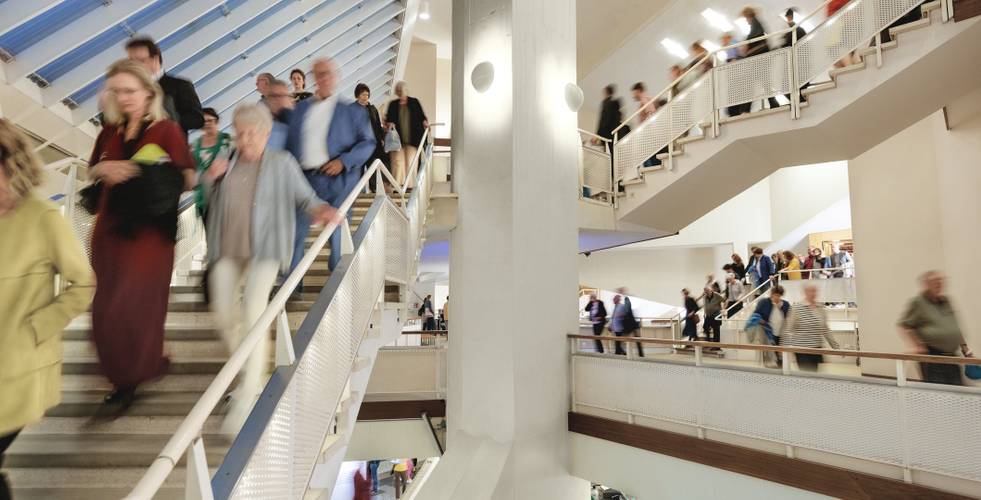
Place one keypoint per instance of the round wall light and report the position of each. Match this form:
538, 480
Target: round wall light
482, 76
573, 97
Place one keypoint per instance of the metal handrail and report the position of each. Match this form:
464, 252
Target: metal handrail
708, 57
190, 428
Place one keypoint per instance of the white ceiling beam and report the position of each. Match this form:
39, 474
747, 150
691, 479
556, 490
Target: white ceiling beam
84, 74
409, 18
305, 32
373, 77
79, 31
187, 48
260, 32
18, 13
326, 42
368, 44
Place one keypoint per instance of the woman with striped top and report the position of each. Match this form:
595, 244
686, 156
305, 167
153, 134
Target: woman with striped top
807, 326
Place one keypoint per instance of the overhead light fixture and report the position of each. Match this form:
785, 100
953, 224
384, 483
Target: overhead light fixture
424, 11
743, 25
717, 20
674, 48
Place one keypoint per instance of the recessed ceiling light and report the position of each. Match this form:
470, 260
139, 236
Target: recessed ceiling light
717, 20
674, 48
424, 11
709, 45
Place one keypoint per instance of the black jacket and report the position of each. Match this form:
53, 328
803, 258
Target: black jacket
181, 102
760, 46
149, 199
418, 116
610, 118
601, 313
376, 127
788, 38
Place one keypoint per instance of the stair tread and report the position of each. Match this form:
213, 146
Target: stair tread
98, 450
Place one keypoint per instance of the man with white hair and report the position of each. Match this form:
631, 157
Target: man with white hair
930, 326
331, 138
253, 202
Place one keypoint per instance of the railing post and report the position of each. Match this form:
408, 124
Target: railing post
198, 481
615, 191
794, 76
878, 49
715, 103
900, 373
785, 361
347, 242
573, 349
285, 355
946, 10
698, 355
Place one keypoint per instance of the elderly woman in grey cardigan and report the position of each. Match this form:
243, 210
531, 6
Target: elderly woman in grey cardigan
253, 199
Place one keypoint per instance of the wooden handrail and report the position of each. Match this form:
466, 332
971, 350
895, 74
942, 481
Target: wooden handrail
921, 358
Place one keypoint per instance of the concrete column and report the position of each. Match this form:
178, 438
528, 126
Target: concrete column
513, 255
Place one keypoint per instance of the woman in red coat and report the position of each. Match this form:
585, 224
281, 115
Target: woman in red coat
132, 247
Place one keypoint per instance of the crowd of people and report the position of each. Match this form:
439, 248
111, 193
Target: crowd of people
294, 156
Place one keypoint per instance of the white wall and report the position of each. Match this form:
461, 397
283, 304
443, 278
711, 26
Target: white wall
797, 194
653, 274
420, 75
645, 475
915, 207
444, 97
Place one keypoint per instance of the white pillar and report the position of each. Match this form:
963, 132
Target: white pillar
513, 255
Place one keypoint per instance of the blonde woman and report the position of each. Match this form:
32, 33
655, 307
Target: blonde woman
141, 163
35, 244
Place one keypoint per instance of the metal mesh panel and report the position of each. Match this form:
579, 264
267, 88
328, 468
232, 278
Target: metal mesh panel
850, 28
293, 438
83, 223
942, 432
396, 266
753, 78
596, 169
865, 419
668, 123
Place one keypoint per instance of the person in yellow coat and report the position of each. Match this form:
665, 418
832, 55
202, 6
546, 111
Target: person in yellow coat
36, 243
792, 271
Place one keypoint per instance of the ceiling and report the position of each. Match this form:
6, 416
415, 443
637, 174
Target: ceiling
601, 27
64, 46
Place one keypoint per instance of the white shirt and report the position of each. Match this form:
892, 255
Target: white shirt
776, 320
316, 124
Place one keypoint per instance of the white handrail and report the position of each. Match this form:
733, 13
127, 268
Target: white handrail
191, 427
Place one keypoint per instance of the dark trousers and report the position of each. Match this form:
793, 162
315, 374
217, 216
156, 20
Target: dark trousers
691, 329
598, 330
373, 474
712, 327
318, 183
619, 345
5, 442
940, 373
429, 324
808, 362
401, 481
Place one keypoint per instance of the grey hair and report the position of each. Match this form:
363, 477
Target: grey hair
925, 276
400, 83
253, 114
278, 83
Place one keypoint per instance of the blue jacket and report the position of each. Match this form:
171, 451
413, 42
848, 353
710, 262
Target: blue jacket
350, 139
765, 308
766, 269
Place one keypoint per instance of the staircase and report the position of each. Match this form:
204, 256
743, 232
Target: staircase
70, 456
710, 157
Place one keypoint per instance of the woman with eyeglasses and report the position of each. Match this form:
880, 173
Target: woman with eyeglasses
212, 144
141, 164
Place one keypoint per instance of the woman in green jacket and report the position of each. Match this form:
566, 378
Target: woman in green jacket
36, 243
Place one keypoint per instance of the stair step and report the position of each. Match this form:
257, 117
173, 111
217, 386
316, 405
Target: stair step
647, 170
127, 424
199, 366
929, 7
821, 87
691, 138
97, 450
630, 182
906, 28
83, 382
291, 306
870, 51
78, 483
170, 334
664, 156
181, 349
836, 72
756, 114
85, 404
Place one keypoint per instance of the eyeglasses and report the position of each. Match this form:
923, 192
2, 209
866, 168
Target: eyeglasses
210, 120
123, 91
279, 95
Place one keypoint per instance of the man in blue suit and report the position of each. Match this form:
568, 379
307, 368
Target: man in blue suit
764, 268
331, 138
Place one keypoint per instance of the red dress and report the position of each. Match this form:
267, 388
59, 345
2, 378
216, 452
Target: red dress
132, 273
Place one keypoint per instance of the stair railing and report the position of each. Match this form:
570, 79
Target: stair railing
275, 453
595, 168
698, 96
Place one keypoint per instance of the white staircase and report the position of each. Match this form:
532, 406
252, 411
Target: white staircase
710, 157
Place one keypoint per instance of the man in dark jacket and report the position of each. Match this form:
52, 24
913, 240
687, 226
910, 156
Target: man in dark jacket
610, 114
597, 315
764, 268
180, 99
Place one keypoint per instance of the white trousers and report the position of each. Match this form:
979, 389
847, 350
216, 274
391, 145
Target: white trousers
232, 280
401, 162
